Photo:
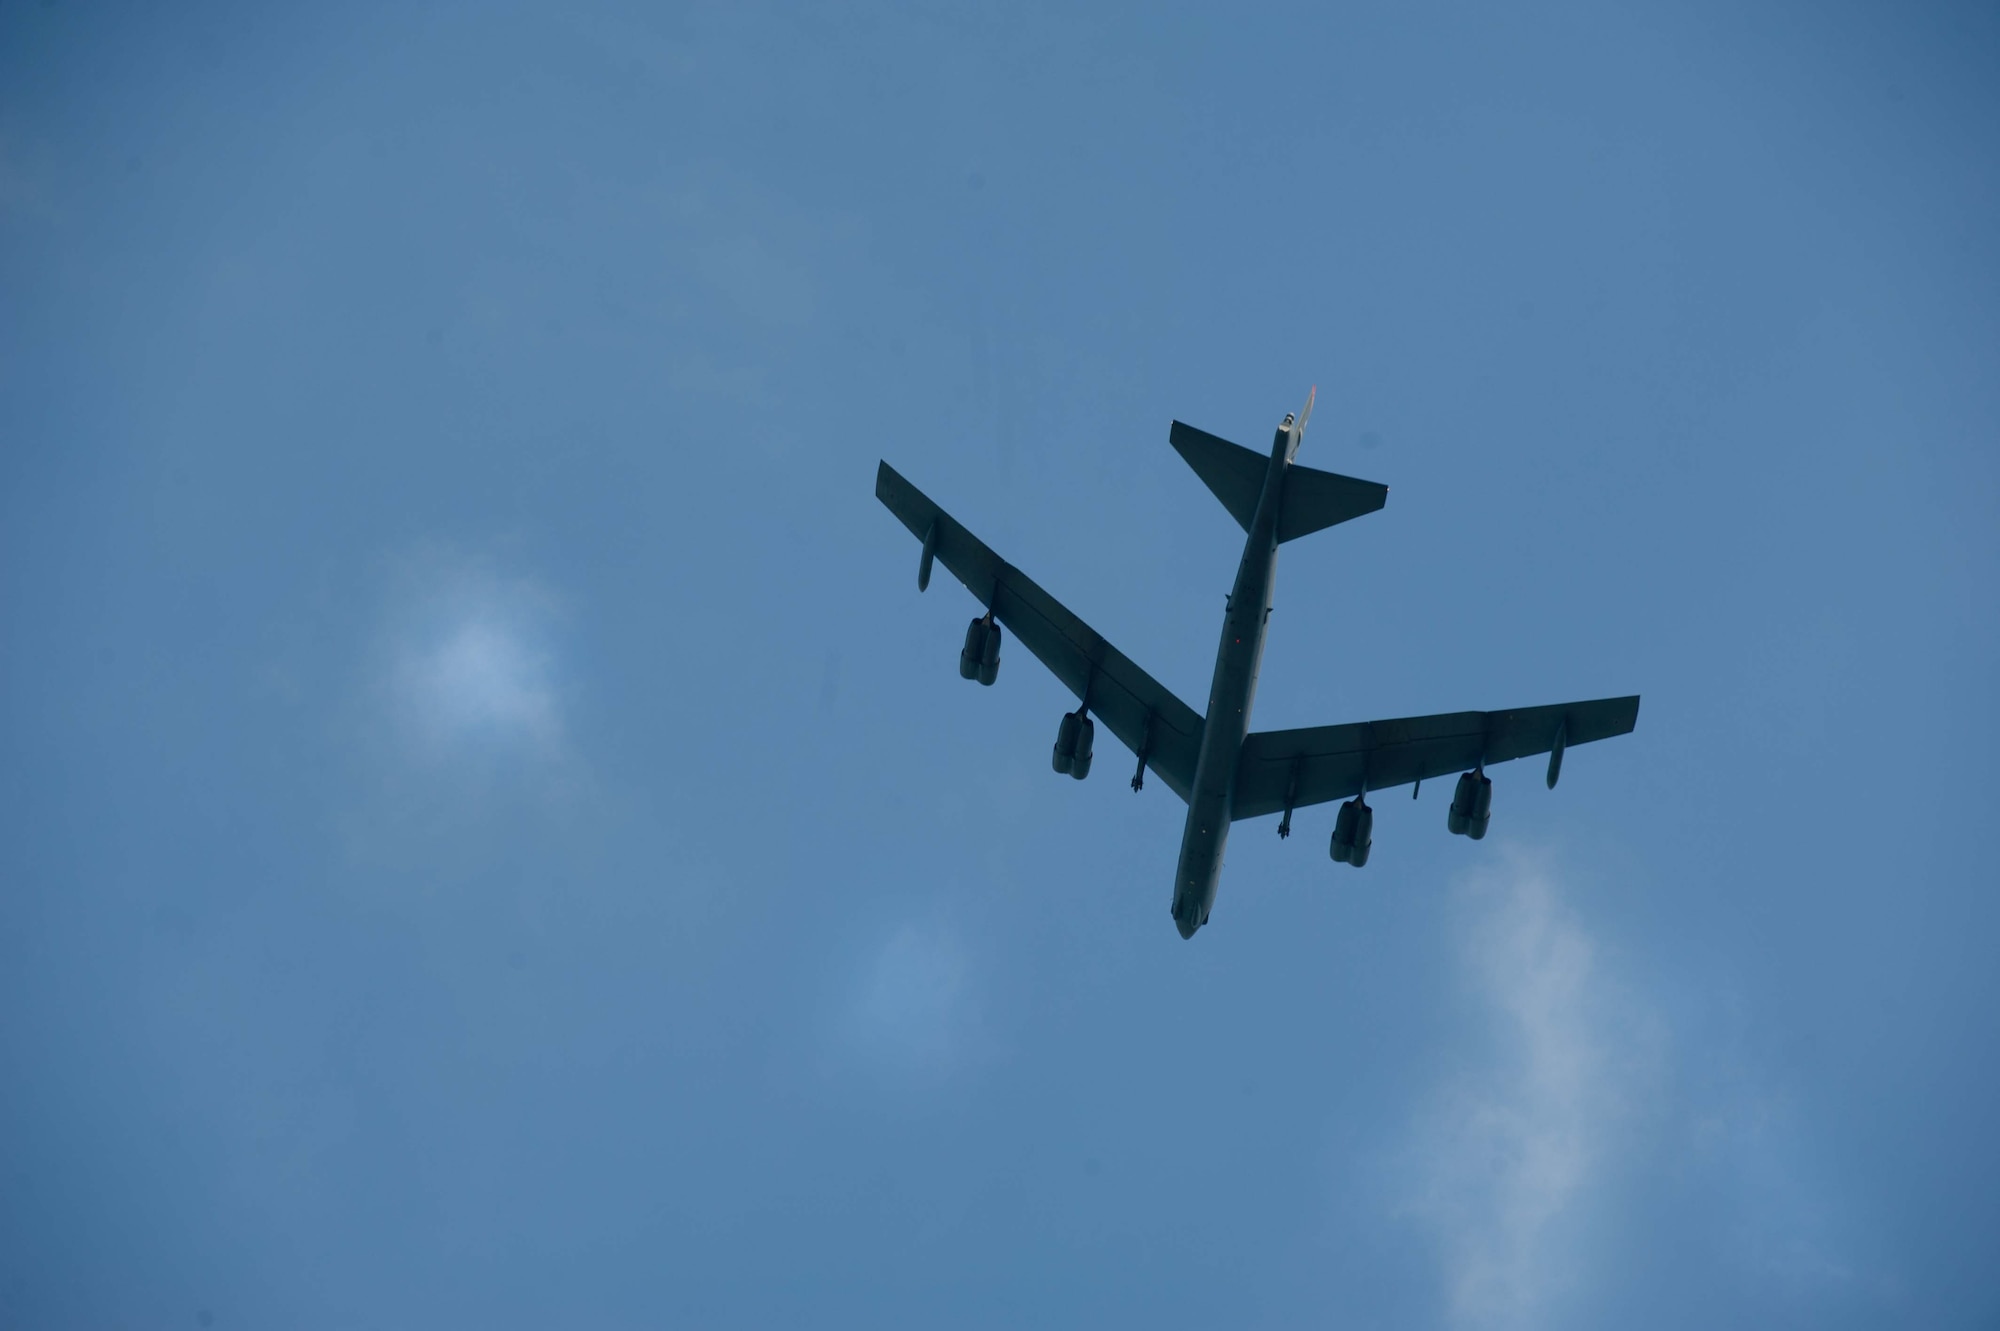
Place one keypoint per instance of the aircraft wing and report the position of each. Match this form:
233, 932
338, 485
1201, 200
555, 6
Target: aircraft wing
1131, 703
1331, 762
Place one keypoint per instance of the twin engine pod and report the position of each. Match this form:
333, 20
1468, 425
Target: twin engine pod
1353, 833
980, 658
1471, 806
1073, 740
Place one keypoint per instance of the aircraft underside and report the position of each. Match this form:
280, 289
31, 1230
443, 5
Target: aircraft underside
1219, 766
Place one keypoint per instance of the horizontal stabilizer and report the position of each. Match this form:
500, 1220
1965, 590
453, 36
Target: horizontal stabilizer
1233, 472
1315, 500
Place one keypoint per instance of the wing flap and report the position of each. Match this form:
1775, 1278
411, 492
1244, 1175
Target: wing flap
1321, 763
1136, 708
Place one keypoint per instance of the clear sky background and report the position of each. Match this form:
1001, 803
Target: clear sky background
490, 834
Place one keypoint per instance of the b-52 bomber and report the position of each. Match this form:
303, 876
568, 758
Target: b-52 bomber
1216, 763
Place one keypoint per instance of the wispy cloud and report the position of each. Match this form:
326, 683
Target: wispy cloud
1507, 1150
1571, 1096
913, 1003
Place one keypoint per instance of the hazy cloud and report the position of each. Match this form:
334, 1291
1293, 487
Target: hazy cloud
1572, 1088
912, 1004
1507, 1149
759, 282
471, 659
480, 676
458, 730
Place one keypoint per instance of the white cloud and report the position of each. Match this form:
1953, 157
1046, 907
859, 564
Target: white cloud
1572, 1102
1506, 1152
458, 730
472, 662
480, 676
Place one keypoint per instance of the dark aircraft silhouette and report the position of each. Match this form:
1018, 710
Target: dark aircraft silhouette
1216, 764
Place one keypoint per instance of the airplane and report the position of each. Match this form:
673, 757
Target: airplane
1223, 770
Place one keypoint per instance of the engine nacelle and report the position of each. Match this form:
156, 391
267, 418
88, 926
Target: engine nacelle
975, 647
1353, 833
980, 657
989, 657
1074, 738
1065, 749
1471, 806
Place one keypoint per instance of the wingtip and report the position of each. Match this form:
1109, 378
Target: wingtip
886, 477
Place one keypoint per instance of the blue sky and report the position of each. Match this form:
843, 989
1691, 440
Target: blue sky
493, 836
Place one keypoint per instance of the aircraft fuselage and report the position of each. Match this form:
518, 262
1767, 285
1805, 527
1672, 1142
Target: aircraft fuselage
1234, 688
1215, 762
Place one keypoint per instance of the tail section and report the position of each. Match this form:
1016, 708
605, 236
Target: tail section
1315, 500
1231, 471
